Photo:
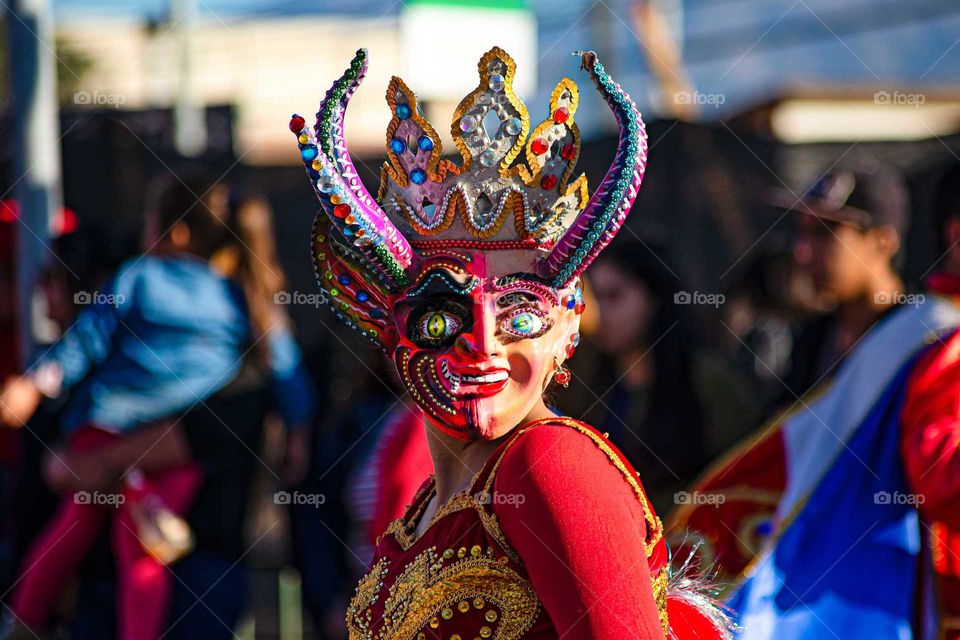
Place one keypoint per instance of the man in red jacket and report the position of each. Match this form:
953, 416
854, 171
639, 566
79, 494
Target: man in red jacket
785, 532
930, 438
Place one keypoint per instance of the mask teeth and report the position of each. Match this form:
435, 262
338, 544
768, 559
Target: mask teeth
454, 380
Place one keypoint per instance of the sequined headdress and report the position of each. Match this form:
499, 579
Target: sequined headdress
511, 190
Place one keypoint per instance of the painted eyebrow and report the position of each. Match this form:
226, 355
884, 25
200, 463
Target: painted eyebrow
524, 282
438, 279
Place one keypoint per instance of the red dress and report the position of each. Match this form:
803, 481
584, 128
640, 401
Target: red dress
556, 538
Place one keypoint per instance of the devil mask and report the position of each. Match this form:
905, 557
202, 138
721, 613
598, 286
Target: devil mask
467, 274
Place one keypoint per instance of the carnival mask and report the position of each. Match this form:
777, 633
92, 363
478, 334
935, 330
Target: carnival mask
465, 274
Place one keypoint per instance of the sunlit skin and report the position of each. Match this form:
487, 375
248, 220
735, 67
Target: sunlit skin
627, 310
845, 263
626, 307
478, 341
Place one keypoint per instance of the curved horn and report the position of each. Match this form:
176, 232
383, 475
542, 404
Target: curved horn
350, 207
600, 220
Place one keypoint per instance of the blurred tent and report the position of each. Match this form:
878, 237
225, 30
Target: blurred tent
736, 54
742, 53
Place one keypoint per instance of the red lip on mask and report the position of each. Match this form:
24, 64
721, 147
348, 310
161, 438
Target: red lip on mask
473, 381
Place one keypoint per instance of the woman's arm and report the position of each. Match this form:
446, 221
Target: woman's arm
149, 448
580, 531
85, 344
295, 396
292, 385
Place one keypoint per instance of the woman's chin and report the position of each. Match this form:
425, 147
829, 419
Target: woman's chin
483, 418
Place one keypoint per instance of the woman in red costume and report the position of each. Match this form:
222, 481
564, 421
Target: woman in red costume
533, 525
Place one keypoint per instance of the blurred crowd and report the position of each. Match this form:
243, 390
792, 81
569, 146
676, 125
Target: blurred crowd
171, 421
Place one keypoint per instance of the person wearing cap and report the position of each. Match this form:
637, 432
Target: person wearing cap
839, 517
850, 226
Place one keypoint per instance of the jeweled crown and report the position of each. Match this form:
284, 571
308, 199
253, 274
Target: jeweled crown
508, 186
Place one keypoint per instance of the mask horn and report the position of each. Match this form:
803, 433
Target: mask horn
600, 220
352, 210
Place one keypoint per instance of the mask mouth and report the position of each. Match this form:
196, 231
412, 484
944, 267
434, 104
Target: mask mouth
473, 381
487, 378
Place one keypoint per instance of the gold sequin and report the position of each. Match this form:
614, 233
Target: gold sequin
447, 554
463, 606
491, 616
455, 636
462, 551
660, 595
425, 588
485, 632
476, 550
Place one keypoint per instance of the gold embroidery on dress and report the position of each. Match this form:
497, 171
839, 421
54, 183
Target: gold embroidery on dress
414, 576
366, 594
404, 528
660, 595
492, 527
429, 589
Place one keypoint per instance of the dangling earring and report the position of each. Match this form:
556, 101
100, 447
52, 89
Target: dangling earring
560, 373
573, 344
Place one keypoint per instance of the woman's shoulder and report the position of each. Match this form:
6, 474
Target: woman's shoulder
566, 470
568, 441
560, 451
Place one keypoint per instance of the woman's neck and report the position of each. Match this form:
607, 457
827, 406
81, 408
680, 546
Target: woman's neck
456, 462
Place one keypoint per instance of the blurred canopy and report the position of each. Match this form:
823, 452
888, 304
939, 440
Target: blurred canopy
749, 51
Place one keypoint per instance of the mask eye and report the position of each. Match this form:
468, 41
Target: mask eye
435, 328
527, 323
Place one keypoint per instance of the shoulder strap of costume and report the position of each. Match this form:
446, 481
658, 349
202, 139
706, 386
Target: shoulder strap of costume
484, 483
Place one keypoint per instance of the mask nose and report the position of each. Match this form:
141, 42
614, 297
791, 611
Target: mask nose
481, 340
464, 345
